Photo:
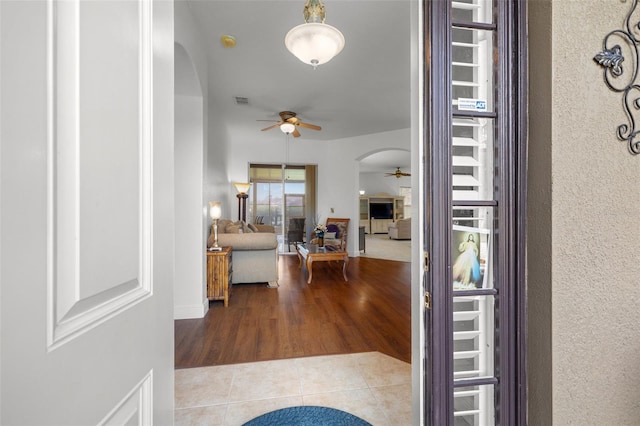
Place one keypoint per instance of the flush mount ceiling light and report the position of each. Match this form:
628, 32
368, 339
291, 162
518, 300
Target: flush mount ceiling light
314, 42
287, 128
228, 41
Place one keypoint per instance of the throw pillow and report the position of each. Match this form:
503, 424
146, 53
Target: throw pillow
253, 227
222, 225
234, 229
332, 227
243, 226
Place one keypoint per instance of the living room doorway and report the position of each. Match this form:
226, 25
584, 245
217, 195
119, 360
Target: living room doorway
377, 178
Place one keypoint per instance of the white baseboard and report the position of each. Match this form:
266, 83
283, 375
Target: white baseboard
191, 312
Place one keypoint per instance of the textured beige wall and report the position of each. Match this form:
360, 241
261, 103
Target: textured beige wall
539, 217
593, 229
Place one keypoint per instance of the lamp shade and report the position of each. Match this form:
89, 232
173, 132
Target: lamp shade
287, 128
314, 43
215, 210
242, 188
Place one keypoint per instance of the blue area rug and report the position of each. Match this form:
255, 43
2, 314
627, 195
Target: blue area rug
307, 416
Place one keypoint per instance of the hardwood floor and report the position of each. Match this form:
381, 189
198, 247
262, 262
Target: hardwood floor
370, 312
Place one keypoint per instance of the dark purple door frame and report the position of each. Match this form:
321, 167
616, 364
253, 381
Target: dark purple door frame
510, 382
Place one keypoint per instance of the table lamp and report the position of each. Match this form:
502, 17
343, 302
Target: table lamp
215, 211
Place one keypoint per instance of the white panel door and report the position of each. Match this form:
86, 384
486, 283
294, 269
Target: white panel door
86, 219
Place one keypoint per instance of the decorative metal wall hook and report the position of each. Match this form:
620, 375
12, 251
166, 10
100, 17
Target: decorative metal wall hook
618, 46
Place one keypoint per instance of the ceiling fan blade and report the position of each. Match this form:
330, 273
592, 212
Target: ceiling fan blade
296, 133
309, 126
398, 173
271, 127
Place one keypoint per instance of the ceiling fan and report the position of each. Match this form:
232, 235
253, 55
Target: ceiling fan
398, 173
289, 123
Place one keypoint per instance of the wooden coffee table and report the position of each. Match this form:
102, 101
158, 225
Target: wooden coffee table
310, 253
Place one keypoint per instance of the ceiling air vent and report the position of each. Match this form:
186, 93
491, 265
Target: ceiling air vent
242, 101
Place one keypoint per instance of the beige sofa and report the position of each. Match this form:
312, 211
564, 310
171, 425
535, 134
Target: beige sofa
400, 229
255, 251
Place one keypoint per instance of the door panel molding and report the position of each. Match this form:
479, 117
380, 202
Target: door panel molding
136, 407
99, 228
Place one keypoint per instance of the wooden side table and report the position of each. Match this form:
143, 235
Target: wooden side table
219, 270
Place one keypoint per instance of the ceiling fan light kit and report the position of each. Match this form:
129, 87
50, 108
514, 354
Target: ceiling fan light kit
289, 124
228, 41
314, 42
287, 128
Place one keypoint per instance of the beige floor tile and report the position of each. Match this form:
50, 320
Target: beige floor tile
201, 416
241, 412
372, 386
329, 373
395, 401
196, 387
382, 370
284, 367
262, 380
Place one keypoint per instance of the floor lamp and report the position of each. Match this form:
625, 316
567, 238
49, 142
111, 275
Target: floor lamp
242, 195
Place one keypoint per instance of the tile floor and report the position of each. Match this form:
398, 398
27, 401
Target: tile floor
370, 385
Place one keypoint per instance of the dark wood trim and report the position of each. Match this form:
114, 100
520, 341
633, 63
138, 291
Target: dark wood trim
474, 203
521, 121
473, 114
437, 146
503, 223
474, 25
463, 383
477, 292
509, 202
511, 304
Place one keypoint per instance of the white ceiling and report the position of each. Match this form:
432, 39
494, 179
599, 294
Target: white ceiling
386, 161
363, 90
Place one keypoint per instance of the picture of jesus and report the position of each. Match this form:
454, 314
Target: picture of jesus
468, 265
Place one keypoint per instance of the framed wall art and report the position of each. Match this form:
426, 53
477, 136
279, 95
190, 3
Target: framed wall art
470, 255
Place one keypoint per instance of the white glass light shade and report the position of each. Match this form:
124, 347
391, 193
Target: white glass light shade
242, 188
287, 128
215, 210
314, 43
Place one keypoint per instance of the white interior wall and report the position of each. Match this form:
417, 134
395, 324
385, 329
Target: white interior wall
218, 183
338, 169
375, 183
189, 295
191, 132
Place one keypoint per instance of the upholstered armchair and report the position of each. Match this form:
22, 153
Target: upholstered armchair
337, 233
400, 229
